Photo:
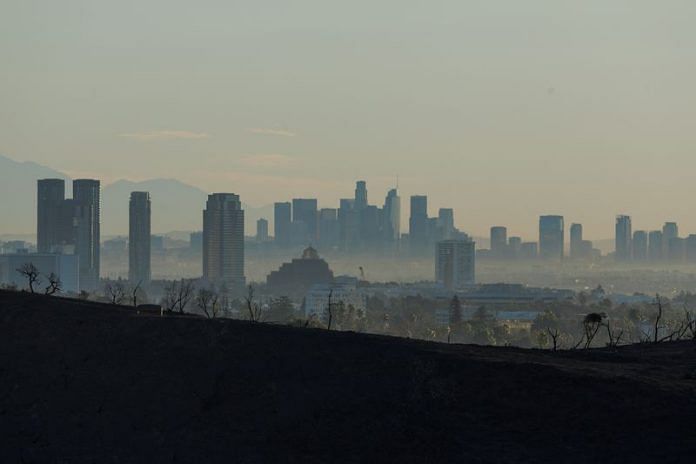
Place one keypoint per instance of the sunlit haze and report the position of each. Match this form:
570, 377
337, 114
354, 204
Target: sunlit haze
501, 110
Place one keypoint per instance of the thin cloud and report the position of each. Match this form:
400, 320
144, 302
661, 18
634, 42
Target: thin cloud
266, 161
165, 135
274, 132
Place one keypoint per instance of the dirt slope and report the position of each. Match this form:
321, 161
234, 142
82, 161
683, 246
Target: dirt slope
82, 382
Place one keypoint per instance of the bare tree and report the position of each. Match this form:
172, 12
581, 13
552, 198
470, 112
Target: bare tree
658, 302
177, 295
554, 334
614, 336
31, 273
207, 301
329, 310
115, 291
134, 293
254, 309
54, 284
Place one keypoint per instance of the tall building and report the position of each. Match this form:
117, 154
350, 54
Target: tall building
514, 247
499, 241
304, 210
391, 214
623, 236
656, 246
455, 263
529, 250
49, 206
418, 223
551, 237
575, 240
676, 250
223, 241
87, 220
282, 220
640, 245
670, 230
691, 248
139, 233
328, 228
348, 224
360, 195
261, 230
445, 223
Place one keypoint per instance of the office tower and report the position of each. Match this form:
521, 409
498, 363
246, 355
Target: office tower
369, 226
282, 218
622, 240
261, 230
670, 230
50, 197
514, 246
87, 221
529, 250
418, 223
139, 238
640, 245
455, 263
676, 250
655, 245
691, 248
304, 210
391, 214
551, 237
348, 224
445, 223
328, 228
575, 240
498, 241
223, 241
360, 195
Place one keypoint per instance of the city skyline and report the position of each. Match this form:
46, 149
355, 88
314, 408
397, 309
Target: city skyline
503, 112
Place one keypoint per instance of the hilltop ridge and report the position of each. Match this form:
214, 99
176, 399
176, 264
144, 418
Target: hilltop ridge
89, 382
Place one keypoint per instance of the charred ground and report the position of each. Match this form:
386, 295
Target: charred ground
86, 382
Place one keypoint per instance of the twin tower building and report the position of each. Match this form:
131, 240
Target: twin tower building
72, 226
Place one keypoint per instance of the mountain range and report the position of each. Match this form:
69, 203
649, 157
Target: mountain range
176, 206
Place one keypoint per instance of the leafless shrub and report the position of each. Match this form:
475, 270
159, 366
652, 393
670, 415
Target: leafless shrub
54, 284
255, 312
31, 273
115, 292
207, 301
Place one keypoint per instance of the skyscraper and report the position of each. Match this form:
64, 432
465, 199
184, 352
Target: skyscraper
455, 263
391, 215
261, 230
139, 232
640, 245
575, 240
360, 195
87, 220
551, 237
445, 223
499, 240
282, 219
670, 231
656, 246
328, 227
304, 210
418, 223
623, 236
50, 197
223, 241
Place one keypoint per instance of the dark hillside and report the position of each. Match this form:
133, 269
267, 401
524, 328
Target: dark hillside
84, 382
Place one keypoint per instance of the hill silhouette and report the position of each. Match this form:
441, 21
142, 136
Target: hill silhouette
88, 382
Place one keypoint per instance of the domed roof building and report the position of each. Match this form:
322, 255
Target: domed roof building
295, 277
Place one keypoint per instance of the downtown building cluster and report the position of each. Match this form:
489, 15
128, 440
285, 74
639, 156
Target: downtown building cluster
656, 245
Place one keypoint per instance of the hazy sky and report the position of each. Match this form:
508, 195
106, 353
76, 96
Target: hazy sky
503, 110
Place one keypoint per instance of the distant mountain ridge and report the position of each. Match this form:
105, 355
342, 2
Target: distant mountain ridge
176, 206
